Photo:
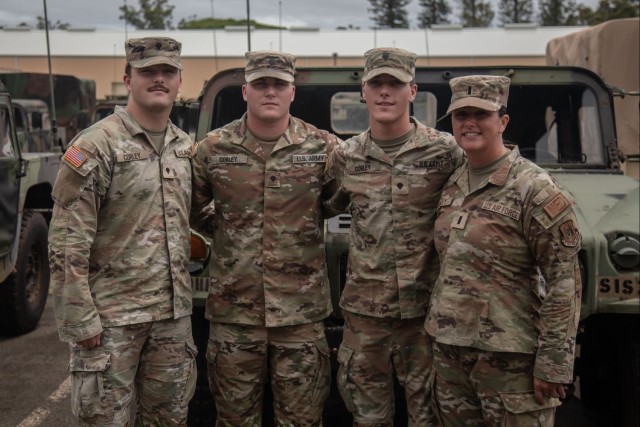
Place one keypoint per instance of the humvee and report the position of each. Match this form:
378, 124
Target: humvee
184, 112
27, 173
561, 118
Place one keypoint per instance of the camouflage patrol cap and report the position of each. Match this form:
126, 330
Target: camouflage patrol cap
148, 51
398, 63
266, 63
484, 92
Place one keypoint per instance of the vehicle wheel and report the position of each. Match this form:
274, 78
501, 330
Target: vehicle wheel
24, 293
610, 369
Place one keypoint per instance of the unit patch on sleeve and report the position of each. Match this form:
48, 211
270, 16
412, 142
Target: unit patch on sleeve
556, 205
75, 157
570, 235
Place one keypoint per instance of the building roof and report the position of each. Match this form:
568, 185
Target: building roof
439, 41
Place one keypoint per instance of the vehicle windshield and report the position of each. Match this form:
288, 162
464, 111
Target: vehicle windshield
551, 124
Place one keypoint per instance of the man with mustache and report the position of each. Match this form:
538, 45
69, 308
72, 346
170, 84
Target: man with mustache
259, 183
389, 179
119, 247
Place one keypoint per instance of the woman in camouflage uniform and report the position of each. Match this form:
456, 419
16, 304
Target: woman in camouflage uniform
505, 308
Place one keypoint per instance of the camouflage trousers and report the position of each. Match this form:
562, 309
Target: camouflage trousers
143, 374
372, 350
482, 388
294, 358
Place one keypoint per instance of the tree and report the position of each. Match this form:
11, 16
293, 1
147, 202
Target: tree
476, 13
193, 23
515, 11
558, 12
433, 12
55, 26
152, 15
389, 13
610, 9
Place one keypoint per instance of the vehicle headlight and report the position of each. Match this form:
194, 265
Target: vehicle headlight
625, 251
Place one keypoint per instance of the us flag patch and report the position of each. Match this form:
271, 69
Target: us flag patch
75, 157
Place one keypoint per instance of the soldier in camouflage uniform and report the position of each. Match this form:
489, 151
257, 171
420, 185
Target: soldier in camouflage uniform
261, 180
505, 308
389, 179
119, 247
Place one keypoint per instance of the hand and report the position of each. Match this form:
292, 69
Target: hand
90, 342
544, 390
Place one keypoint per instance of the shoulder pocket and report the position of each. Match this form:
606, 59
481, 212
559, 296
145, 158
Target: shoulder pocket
71, 182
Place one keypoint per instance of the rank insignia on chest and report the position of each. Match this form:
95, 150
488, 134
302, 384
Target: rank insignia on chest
400, 185
75, 157
272, 179
459, 220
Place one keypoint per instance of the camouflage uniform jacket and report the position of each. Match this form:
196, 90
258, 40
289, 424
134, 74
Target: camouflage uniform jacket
494, 245
119, 238
268, 261
392, 203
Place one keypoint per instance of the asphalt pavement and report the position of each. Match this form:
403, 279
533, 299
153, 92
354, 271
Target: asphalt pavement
34, 381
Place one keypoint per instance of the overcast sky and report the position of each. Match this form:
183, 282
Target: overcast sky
103, 14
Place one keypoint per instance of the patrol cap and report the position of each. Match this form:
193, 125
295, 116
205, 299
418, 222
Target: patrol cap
484, 92
396, 62
148, 51
267, 63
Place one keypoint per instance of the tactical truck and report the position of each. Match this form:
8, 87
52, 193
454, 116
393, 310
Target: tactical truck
27, 173
561, 118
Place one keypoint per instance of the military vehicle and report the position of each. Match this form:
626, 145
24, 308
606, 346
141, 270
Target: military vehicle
184, 113
562, 119
598, 48
74, 100
27, 174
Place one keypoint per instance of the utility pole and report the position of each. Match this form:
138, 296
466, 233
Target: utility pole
126, 36
54, 125
215, 44
248, 28
280, 23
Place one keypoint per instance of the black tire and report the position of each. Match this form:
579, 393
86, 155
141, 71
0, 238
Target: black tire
202, 410
610, 369
24, 294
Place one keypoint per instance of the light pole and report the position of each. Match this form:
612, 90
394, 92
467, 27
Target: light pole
126, 12
215, 44
54, 125
248, 28
280, 23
